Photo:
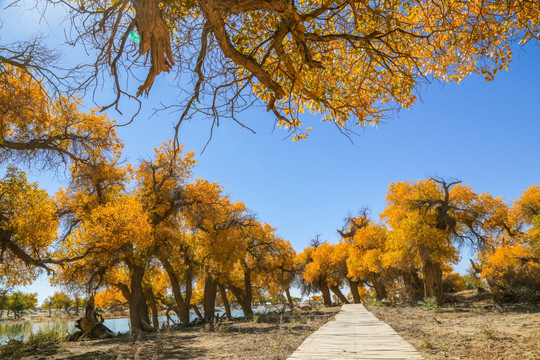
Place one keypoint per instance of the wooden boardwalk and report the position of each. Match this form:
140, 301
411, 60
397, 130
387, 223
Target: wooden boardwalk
355, 334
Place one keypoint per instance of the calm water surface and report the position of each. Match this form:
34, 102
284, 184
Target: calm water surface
22, 330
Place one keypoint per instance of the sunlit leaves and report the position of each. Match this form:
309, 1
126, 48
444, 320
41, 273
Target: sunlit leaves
28, 226
33, 124
349, 63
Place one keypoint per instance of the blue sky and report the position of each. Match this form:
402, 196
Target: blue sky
484, 133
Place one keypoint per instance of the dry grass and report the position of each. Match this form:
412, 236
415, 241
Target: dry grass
469, 331
265, 337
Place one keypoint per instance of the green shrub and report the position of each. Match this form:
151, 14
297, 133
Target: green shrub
430, 304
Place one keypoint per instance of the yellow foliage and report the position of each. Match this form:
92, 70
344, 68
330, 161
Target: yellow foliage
28, 225
33, 124
109, 297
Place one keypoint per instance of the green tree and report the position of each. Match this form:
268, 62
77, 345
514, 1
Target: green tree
61, 300
19, 302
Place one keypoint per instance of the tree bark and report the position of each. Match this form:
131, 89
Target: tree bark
327, 298
244, 296
183, 303
138, 312
91, 326
289, 298
149, 294
353, 285
378, 285
335, 289
413, 285
433, 280
226, 304
197, 312
209, 298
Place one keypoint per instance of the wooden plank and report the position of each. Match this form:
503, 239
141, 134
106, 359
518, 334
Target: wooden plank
355, 333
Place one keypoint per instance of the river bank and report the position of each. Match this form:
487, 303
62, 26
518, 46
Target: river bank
266, 336
33, 322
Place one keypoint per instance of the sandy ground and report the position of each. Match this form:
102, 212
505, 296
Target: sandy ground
471, 328
267, 338
474, 330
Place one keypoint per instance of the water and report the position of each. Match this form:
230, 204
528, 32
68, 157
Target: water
22, 330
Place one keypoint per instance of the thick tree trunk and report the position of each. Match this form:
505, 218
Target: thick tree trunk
289, 298
335, 289
248, 295
413, 285
149, 294
209, 298
433, 280
327, 298
353, 285
226, 304
378, 285
138, 311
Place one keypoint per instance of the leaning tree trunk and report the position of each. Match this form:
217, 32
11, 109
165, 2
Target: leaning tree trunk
289, 298
433, 280
138, 311
226, 304
354, 284
335, 289
183, 303
197, 312
327, 298
209, 298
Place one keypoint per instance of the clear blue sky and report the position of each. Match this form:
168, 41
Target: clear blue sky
485, 133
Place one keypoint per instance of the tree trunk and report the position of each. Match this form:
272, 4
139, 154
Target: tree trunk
335, 289
209, 298
327, 298
353, 285
226, 304
197, 312
183, 302
149, 294
289, 298
244, 296
91, 326
138, 312
378, 285
433, 280
248, 295
413, 285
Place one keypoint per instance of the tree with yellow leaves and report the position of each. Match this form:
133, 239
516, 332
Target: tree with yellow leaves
261, 257
511, 264
28, 226
324, 266
429, 217
118, 231
45, 130
348, 61
365, 260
